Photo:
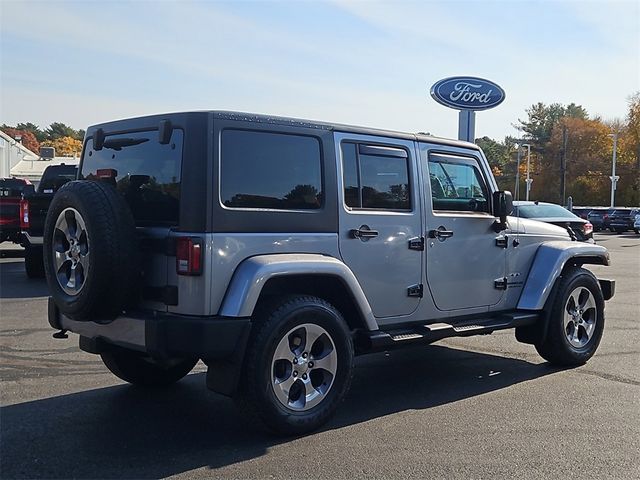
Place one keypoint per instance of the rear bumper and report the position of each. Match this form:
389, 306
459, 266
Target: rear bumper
160, 335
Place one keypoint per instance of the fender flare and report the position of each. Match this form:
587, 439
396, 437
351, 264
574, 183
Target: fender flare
253, 273
550, 260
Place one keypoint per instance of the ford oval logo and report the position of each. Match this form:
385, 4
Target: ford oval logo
467, 93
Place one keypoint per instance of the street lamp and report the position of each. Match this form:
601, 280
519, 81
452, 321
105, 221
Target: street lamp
529, 179
614, 178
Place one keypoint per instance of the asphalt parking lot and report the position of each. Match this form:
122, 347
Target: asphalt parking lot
480, 407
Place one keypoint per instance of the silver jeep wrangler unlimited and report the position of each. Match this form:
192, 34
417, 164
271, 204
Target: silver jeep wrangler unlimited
276, 249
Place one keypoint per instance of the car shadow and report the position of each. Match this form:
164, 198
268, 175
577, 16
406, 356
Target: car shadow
11, 252
128, 432
14, 282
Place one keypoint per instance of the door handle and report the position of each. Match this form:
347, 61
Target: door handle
364, 233
441, 233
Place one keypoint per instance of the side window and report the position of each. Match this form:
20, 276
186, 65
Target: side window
375, 177
270, 170
456, 186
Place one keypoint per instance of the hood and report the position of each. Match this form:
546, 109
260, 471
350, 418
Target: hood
535, 227
563, 220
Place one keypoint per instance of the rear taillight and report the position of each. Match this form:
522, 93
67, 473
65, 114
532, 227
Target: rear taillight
587, 228
188, 256
24, 214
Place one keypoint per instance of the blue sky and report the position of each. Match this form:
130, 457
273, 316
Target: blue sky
366, 63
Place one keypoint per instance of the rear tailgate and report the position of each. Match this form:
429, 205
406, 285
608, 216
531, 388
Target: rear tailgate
9, 212
38, 207
147, 173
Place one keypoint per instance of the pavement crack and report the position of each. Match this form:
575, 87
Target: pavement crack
610, 377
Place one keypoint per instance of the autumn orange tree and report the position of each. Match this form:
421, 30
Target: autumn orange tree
27, 138
566, 135
64, 146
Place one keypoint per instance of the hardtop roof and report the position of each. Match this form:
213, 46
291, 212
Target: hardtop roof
123, 124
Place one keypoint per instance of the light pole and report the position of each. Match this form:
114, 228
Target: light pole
614, 178
529, 179
517, 186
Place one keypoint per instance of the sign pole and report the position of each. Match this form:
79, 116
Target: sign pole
467, 125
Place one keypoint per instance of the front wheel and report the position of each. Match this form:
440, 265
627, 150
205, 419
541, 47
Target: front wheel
576, 320
298, 365
140, 369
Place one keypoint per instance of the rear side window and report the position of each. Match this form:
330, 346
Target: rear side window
375, 177
145, 172
270, 170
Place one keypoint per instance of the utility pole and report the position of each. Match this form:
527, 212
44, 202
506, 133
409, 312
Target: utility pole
529, 179
614, 178
517, 186
563, 163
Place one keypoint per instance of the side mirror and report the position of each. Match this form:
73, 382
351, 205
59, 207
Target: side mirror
502, 206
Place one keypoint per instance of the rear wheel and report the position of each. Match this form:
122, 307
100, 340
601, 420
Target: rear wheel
298, 365
576, 320
33, 262
140, 369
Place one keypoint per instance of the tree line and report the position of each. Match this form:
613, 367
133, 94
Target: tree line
66, 140
571, 155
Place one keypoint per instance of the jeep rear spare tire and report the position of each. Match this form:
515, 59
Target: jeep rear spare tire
89, 252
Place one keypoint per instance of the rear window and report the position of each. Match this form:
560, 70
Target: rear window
145, 172
56, 176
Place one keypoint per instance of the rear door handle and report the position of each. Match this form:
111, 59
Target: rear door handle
441, 233
364, 233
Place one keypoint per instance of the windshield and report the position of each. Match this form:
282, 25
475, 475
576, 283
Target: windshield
544, 211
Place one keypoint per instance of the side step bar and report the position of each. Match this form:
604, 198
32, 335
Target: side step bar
380, 340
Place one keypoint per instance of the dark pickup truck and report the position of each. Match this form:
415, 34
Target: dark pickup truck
33, 212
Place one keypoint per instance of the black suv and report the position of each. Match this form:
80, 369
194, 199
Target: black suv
621, 220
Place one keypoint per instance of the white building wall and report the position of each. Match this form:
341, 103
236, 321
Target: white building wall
11, 153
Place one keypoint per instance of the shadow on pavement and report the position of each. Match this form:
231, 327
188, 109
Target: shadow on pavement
15, 284
11, 252
127, 432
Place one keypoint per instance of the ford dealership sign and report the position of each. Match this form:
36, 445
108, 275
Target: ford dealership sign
467, 93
